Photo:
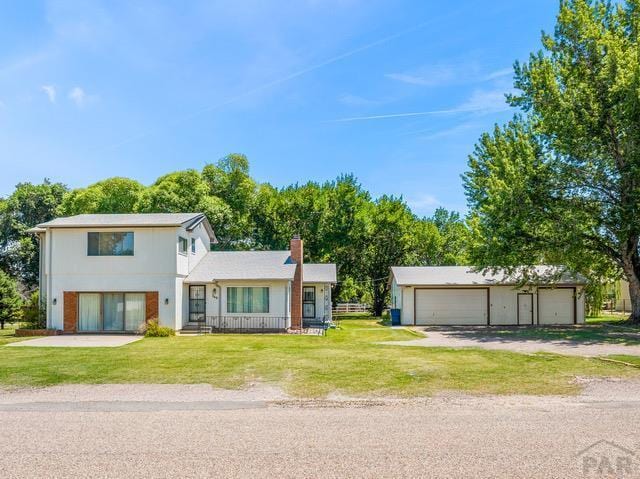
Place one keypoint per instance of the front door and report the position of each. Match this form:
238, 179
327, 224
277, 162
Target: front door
197, 303
309, 302
525, 308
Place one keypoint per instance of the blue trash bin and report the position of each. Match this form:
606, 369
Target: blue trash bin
395, 317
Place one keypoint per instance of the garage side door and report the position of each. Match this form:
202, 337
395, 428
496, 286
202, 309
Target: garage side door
451, 306
555, 306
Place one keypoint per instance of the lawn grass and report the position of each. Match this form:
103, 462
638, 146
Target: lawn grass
8, 334
347, 360
613, 318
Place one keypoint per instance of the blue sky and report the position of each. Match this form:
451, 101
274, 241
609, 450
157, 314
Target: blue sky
396, 92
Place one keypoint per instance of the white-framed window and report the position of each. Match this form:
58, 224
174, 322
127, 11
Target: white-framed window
247, 300
182, 245
193, 246
110, 243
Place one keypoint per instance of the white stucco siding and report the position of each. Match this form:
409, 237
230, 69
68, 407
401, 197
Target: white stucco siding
186, 262
152, 249
152, 267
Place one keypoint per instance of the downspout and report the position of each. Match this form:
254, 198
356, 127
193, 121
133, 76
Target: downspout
286, 303
49, 247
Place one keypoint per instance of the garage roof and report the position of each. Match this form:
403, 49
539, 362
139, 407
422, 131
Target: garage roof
468, 276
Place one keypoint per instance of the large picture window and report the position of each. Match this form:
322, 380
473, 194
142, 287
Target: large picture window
110, 244
248, 300
111, 311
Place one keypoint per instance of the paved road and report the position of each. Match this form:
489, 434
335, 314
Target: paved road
195, 434
487, 338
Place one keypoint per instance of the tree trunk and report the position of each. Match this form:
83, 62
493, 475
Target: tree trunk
1, 324
634, 295
379, 299
631, 268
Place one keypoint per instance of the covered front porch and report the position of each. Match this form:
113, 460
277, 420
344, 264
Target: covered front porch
252, 306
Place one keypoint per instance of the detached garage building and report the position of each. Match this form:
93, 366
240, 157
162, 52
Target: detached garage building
457, 295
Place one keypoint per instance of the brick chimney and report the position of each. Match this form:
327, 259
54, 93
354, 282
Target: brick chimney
296, 247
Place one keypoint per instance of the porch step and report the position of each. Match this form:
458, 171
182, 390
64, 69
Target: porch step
195, 328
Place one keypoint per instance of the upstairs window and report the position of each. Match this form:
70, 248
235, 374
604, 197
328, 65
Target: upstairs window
193, 245
182, 245
110, 244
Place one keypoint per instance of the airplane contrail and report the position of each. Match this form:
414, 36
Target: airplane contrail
395, 115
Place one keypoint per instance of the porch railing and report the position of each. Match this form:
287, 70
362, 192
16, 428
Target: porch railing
258, 324
246, 324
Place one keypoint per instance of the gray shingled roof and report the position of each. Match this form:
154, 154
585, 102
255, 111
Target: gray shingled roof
241, 265
188, 220
466, 276
319, 273
133, 219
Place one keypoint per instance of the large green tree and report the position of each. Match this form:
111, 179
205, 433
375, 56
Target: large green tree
29, 205
229, 180
388, 242
10, 300
562, 184
186, 192
113, 195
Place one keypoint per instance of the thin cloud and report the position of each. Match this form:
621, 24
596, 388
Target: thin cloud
355, 100
448, 74
78, 96
449, 131
480, 102
499, 74
424, 203
430, 76
50, 91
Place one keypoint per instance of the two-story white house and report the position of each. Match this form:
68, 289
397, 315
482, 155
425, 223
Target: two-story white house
114, 272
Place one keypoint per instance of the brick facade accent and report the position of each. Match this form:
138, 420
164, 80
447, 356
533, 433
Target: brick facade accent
297, 253
152, 306
70, 311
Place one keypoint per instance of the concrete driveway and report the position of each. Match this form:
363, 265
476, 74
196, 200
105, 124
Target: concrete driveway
79, 341
193, 431
494, 338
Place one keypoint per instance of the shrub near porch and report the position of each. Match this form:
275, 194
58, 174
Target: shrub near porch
347, 361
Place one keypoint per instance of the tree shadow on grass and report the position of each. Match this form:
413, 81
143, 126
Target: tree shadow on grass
575, 334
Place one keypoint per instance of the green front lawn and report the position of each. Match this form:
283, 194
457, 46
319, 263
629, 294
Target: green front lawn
8, 334
347, 361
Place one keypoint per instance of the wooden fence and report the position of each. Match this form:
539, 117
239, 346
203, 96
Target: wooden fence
342, 308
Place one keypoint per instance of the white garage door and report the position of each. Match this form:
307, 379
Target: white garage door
555, 306
451, 306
